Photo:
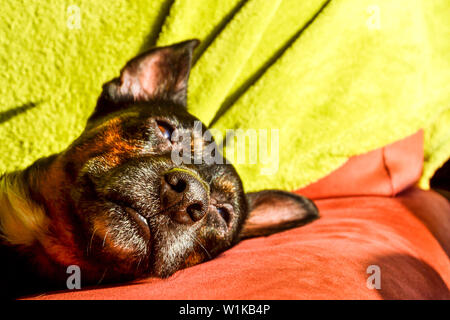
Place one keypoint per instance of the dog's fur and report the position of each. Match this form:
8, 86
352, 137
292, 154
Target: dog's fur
100, 204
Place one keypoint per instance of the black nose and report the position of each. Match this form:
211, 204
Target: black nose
184, 196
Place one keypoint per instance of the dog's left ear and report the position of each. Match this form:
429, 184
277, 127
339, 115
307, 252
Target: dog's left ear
161, 73
272, 211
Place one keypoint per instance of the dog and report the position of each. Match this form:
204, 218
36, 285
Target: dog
116, 205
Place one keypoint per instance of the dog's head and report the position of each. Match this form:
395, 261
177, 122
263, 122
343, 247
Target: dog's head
121, 207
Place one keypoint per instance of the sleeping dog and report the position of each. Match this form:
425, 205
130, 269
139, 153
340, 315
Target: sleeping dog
114, 202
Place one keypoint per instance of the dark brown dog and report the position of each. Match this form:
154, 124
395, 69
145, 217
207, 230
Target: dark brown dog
114, 202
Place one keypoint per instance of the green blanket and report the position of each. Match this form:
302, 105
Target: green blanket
328, 79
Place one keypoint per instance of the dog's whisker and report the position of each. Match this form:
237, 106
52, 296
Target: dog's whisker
200, 244
89, 247
102, 277
104, 239
138, 264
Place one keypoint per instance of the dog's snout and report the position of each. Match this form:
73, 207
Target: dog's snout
184, 196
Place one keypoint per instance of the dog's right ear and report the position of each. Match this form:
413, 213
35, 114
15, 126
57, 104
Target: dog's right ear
272, 211
159, 74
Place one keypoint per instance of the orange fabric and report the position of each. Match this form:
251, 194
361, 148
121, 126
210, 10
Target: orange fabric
383, 172
362, 224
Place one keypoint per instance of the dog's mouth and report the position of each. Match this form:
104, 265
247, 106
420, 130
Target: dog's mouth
117, 200
138, 216
135, 214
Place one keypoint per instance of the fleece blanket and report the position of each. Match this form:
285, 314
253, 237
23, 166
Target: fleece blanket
326, 80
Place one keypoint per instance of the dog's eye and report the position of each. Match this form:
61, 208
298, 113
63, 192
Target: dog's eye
165, 128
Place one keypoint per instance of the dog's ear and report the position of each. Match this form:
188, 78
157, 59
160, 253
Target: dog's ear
271, 211
161, 73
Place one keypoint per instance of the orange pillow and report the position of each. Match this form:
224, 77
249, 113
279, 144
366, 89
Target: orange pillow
382, 172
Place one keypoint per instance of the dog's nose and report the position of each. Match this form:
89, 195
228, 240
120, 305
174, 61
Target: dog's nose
184, 196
